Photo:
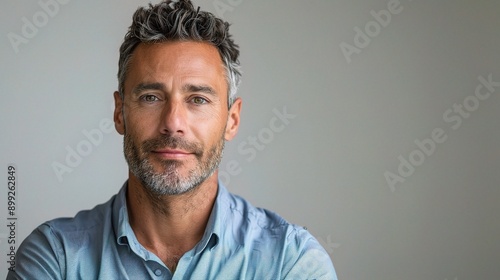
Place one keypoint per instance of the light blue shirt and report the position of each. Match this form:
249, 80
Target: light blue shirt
240, 242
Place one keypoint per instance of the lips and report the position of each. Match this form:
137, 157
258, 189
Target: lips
171, 153
171, 147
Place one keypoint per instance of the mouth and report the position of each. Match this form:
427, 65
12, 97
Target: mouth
171, 153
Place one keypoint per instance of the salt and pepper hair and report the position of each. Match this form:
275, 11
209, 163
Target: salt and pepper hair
178, 20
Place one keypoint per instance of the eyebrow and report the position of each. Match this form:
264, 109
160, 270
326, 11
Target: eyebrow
186, 88
198, 88
147, 86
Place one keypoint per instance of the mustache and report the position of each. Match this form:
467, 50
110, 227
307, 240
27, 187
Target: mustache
171, 143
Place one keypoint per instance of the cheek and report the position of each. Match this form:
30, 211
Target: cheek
141, 124
210, 127
205, 114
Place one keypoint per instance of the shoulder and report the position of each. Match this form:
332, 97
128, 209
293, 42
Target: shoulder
44, 251
306, 258
242, 213
85, 220
264, 231
256, 220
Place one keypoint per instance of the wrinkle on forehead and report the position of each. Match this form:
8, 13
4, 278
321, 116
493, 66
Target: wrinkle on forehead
182, 59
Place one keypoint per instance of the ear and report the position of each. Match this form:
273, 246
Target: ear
233, 120
118, 113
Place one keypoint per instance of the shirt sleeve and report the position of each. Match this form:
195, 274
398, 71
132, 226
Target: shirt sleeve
307, 259
39, 256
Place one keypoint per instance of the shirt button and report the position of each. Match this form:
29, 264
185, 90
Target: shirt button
158, 272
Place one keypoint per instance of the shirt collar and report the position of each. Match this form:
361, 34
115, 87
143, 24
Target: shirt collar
120, 216
213, 231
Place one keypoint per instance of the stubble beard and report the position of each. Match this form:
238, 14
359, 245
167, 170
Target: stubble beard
169, 181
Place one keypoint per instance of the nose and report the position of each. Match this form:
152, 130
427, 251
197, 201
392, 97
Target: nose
173, 118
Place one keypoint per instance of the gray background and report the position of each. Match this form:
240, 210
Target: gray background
325, 169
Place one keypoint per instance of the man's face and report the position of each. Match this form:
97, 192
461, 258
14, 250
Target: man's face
174, 115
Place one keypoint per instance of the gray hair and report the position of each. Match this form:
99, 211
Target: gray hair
178, 20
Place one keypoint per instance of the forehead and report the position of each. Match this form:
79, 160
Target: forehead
187, 58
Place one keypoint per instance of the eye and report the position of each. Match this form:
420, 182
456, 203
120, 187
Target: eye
149, 98
199, 100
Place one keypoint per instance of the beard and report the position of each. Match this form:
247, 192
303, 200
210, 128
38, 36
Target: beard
170, 181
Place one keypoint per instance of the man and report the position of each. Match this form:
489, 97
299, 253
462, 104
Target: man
176, 106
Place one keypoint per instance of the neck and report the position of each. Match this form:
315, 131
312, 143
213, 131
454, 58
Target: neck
170, 225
